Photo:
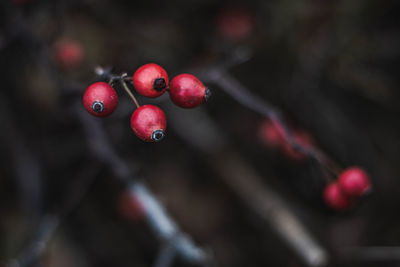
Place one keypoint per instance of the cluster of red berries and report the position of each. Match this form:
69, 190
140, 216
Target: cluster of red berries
351, 184
148, 122
273, 136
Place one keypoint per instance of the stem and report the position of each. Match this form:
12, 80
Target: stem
166, 256
160, 222
123, 79
242, 95
128, 91
247, 184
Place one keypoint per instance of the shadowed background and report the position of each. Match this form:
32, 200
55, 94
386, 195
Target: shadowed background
330, 66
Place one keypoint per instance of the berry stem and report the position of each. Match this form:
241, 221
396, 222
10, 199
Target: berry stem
332, 166
122, 78
128, 91
242, 95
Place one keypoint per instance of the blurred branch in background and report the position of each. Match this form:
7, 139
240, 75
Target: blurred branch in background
48, 224
370, 254
160, 222
329, 66
37, 246
247, 184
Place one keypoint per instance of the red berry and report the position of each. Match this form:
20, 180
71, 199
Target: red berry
130, 206
186, 91
149, 123
335, 198
272, 134
69, 53
302, 138
235, 24
150, 80
100, 99
354, 182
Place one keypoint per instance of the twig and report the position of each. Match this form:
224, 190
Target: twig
51, 222
160, 222
105, 73
247, 184
37, 246
127, 90
103, 151
241, 94
373, 253
166, 256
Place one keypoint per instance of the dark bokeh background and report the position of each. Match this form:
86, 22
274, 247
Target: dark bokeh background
330, 66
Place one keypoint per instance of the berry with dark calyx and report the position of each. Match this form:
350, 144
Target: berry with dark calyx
186, 91
100, 99
354, 182
68, 53
148, 122
150, 80
335, 198
130, 207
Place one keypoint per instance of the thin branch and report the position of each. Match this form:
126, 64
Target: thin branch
123, 83
103, 151
27, 168
372, 253
105, 73
50, 223
37, 246
160, 222
247, 184
242, 95
166, 256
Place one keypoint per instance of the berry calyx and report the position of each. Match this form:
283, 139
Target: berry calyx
186, 91
130, 207
68, 53
335, 198
354, 182
148, 122
100, 99
150, 80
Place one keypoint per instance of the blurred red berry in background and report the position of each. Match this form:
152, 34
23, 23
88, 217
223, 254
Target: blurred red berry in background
68, 53
335, 198
272, 134
235, 24
130, 207
354, 181
304, 139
